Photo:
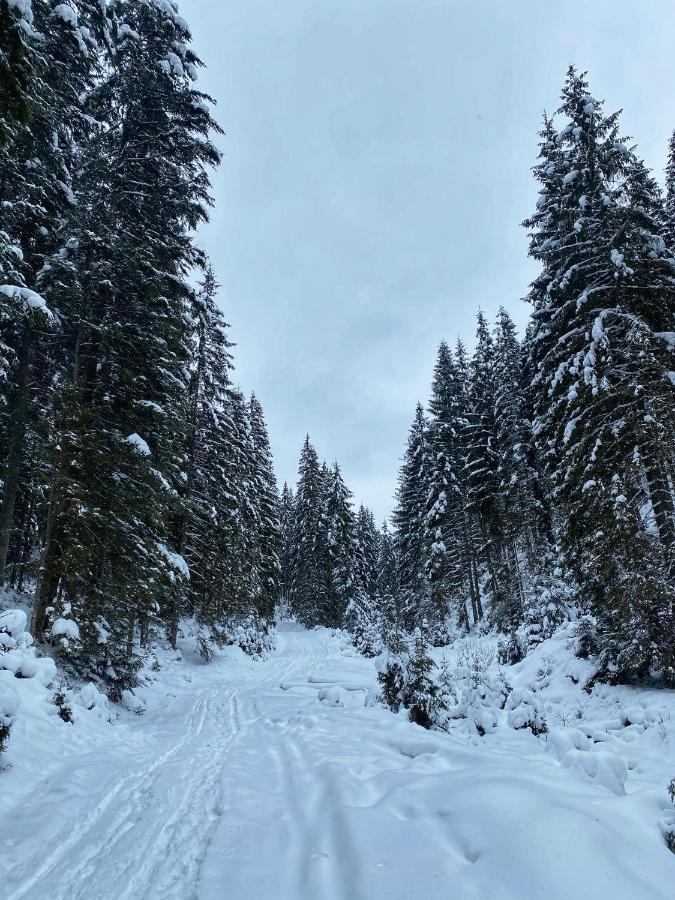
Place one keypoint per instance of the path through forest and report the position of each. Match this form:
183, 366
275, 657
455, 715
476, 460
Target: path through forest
277, 780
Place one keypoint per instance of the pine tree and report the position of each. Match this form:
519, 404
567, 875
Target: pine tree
210, 532
265, 492
368, 542
341, 550
113, 536
601, 395
47, 62
522, 514
670, 195
286, 516
421, 696
387, 572
309, 552
448, 563
408, 518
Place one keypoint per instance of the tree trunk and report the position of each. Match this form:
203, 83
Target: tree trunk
48, 576
662, 504
16, 442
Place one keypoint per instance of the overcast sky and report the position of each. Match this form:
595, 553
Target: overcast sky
376, 169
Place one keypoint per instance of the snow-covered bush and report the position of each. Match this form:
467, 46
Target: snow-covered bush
511, 650
89, 697
9, 705
17, 660
363, 623
476, 656
549, 602
586, 637
252, 634
421, 695
525, 710
669, 825
481, 697
61, 702
392, 668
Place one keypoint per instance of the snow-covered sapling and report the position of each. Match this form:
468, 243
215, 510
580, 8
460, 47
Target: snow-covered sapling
392, 668
670, 823
64, 710
525, 710
421, 695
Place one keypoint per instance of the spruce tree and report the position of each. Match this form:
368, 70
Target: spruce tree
308, 588
48, 58
368, 546
113, 536
342, 550
265, 492
448, 563
387, 571
409, 522
601, 395
286, 517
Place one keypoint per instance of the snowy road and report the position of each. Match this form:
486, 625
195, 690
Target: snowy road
242, 784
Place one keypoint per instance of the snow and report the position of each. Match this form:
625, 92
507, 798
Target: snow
175, 560
228, 785
23, 8
66, 13
24, 295
65, 628
137, 441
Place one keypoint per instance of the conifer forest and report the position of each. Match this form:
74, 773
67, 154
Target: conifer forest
219, 683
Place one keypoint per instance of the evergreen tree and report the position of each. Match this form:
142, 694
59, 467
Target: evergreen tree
342, 550
601, 394
387, 571
449, 564
48, 59
286, 515
309, 553
265, 491
421, 696
409, 522
483, 500
368, 542
114, 531
521, 512
210, 527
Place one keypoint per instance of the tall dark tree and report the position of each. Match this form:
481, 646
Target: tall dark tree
387, 572
309, 554
409, 522
602, 397
266, 494
368, 541
286, 518
342, 549
114, 533
48, 58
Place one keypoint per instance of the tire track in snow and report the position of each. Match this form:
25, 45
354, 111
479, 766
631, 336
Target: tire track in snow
47, 865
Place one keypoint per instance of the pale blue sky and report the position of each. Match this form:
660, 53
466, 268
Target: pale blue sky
376, 169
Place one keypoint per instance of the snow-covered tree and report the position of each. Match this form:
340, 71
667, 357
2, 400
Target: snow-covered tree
409, 522
112, 541
309, 552
602, 398
266, 495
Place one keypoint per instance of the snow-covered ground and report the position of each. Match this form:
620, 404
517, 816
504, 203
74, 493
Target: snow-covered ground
278, 780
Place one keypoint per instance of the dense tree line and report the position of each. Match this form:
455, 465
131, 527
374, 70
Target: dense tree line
540, 481
338, 568
137, 482
543, 473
